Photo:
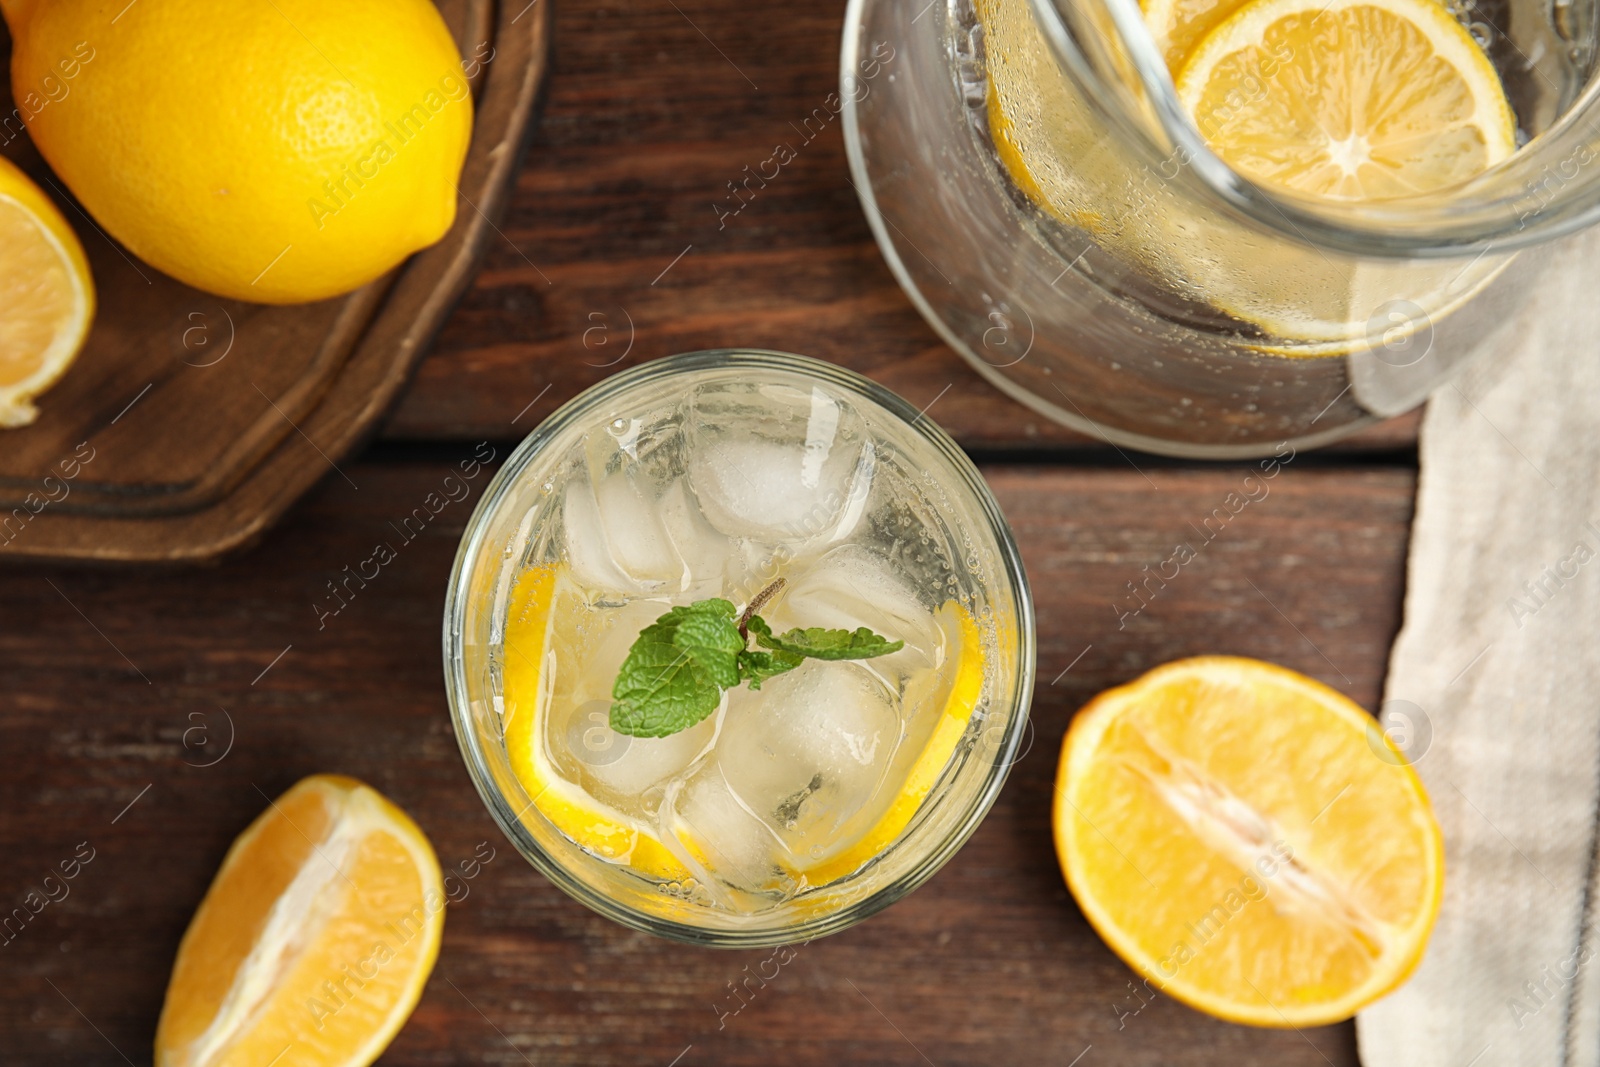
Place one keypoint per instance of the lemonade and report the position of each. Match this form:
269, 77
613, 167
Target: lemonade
744, 511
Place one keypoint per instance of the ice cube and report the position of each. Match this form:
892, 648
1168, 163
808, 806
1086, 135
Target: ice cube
617, 767
852, 586
632, 522
750, 567
808, 752
702, 548
778, 464
629, 766
706, 823
617, 540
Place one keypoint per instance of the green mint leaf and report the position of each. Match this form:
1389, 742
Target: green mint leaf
817, 642
674, 674
757, 667
707, 632
679, 665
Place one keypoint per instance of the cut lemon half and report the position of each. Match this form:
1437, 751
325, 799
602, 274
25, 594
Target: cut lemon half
314, 940
966, 643
1244, 839
542, 602
1352, 100
46, 295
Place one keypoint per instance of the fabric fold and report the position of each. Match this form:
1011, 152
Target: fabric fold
1496, 678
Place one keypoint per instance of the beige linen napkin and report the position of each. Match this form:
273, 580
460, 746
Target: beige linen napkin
1496, 678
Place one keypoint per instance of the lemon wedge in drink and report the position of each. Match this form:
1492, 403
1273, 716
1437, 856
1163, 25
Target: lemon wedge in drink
1248, 841
544, 602
1348, 100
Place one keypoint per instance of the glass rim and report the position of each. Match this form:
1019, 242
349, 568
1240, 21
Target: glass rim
470, 552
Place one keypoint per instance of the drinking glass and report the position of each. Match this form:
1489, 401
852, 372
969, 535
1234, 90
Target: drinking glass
514, 521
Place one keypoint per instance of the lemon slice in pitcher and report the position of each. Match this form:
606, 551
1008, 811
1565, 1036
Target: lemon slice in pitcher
1178, 25
1352, 100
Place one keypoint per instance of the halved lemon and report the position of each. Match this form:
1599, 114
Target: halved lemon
315, 939
46, 295
543, 601
965, 689
1242, 837
1352, 99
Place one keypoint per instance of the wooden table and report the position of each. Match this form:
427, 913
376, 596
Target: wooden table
120, 687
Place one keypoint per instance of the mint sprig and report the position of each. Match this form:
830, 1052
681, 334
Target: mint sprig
757, 667
679, 665
818, 643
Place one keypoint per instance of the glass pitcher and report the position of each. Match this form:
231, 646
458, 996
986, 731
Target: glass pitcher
1088, 253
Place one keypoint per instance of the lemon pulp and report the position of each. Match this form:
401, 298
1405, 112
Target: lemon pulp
1244, 838
1350, 100
314, 941
46, 295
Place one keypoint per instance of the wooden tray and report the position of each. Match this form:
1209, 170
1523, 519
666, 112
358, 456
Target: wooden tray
189, 423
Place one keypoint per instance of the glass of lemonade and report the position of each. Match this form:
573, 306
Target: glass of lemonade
744, 482
1206, 227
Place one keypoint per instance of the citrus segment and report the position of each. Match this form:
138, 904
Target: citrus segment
543, 602
315, 939
965, 689
46, 295
1352, 100
1232, 831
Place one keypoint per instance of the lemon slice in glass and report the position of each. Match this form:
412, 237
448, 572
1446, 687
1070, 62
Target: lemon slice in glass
544, 602
1178, 25
965, 688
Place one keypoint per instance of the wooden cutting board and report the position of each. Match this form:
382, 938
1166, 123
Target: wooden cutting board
189, 423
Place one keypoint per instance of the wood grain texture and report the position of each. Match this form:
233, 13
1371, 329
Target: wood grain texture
652, 109
121, 687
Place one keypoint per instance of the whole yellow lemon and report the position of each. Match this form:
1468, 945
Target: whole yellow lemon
270, 150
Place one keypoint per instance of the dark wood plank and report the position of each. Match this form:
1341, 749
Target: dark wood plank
108, 675
652, 108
